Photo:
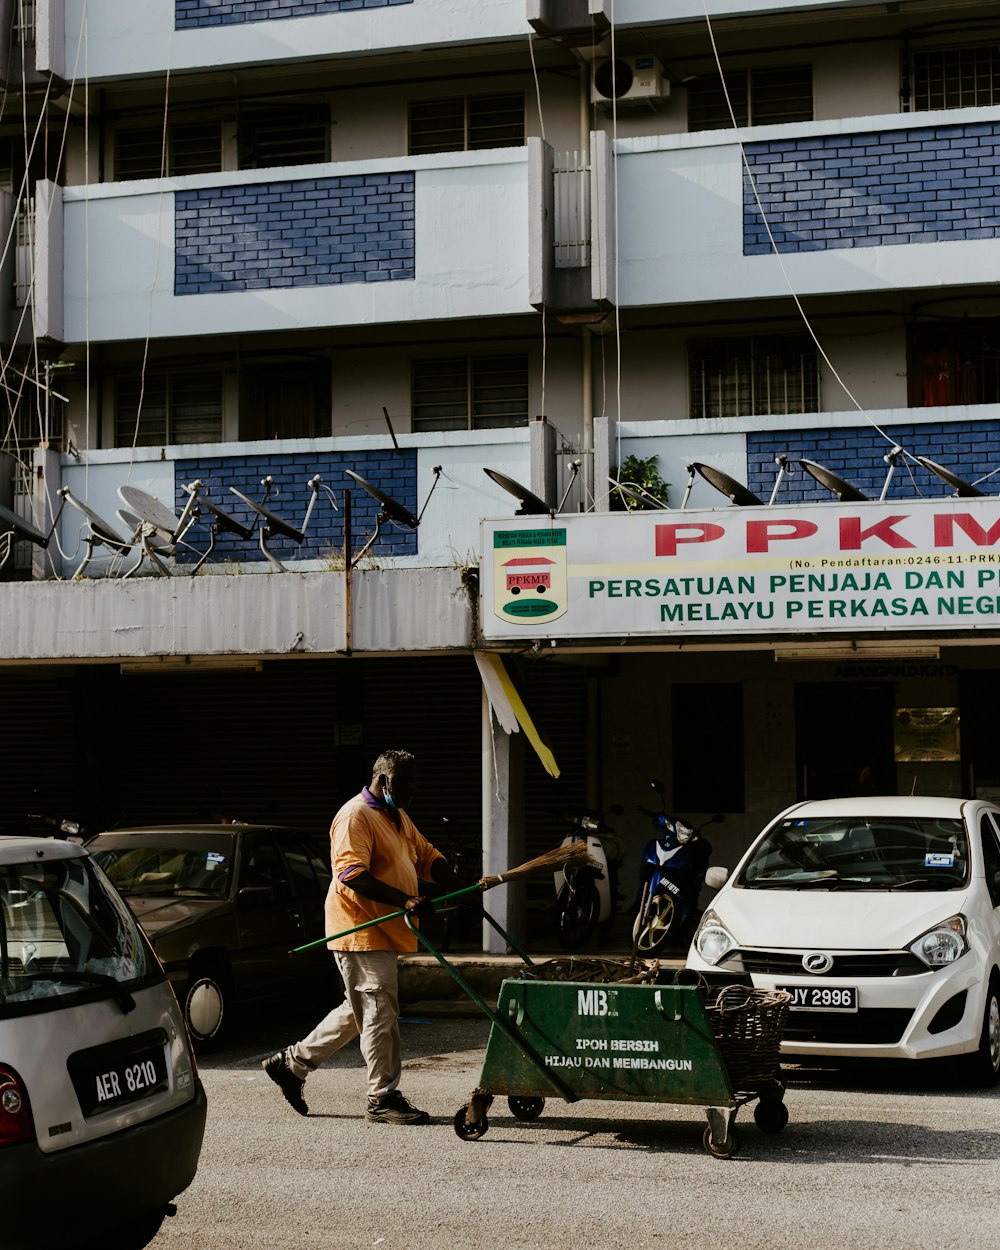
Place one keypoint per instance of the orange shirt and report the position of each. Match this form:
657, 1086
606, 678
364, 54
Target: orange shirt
365, 838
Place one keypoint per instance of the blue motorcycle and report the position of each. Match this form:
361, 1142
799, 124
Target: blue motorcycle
674, 864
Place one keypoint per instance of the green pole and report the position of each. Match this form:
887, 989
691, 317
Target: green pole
393, 915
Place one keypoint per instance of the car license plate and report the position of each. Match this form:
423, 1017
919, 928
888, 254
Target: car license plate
821, 997
107, 1077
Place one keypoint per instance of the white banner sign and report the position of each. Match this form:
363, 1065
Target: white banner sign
815, 568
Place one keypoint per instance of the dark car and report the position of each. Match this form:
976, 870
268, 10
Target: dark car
223, 905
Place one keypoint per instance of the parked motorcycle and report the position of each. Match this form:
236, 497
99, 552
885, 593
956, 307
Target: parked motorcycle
588, 897
674, 865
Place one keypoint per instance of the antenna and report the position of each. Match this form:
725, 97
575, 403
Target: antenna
390, 510
736, 492
531, 505
276, 526
844, 491
963, 489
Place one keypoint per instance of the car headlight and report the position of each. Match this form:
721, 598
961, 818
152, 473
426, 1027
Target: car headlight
713, 941
943, 944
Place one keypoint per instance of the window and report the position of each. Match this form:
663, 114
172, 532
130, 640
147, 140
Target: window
760, 97
179, 407
283, 136
707, 733
954, 78
753, 376
470, 393
466, 123
991, 857
955, 364
192, 148
285, 398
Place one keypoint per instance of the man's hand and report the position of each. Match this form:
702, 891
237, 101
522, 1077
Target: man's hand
420, 906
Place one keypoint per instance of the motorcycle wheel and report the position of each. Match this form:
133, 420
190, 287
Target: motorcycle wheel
654, 926
579, 906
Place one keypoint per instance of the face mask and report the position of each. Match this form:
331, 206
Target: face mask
389, 800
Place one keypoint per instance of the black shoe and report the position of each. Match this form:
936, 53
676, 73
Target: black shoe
278, 1070
394, 1109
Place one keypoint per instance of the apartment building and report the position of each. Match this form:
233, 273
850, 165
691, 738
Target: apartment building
266, 245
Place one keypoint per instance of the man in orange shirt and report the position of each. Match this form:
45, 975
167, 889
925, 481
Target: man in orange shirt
378, 857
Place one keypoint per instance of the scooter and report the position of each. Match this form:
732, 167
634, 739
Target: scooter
588, 897
674, 867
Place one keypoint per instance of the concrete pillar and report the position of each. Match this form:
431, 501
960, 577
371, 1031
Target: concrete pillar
46, 479
542, 450
604, 458
503, 829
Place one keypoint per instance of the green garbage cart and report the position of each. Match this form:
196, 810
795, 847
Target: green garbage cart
630, 1041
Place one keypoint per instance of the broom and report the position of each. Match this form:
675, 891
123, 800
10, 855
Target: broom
573, 855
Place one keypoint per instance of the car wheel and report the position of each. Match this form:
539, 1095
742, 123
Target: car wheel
987, 1065
206, 1003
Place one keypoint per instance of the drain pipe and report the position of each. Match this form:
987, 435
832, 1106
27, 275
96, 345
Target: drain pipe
587, 341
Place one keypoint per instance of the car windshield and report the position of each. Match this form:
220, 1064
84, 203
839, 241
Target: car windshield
860, 853
166, 870
64, 932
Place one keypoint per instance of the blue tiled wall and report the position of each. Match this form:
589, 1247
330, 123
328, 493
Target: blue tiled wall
188, 13
930, 184
970, 449
393, 472
309, 232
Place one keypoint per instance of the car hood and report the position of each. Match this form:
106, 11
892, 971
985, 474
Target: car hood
835, 919
157, 915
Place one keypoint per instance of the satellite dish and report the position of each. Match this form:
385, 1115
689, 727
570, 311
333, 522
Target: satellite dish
844, 491
392, 508
735, 491
531, 505
964, 489
22, 528
642, 499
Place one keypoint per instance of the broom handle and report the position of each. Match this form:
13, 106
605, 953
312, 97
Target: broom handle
393, 915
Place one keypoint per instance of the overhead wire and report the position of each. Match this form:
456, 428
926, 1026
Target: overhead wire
771, 239
541, 129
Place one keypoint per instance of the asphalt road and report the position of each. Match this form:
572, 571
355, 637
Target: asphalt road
902, 1157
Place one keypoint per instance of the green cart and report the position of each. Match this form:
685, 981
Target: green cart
629, 1042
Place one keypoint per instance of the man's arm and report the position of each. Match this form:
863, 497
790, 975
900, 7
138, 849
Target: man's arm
367, 886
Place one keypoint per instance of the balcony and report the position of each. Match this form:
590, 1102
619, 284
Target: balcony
151, 36
864, 204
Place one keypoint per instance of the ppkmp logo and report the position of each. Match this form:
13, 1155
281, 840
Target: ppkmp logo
529, 574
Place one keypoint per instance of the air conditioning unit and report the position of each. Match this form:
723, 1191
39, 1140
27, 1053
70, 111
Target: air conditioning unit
628, 80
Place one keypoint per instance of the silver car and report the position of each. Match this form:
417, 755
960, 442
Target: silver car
102, 1113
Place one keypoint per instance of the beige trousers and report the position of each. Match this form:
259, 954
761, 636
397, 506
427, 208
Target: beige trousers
370, 1010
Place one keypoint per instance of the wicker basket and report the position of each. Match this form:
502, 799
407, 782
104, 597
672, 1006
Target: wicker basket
594, 969
748, 1025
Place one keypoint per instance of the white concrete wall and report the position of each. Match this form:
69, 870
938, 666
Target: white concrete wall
680, 235
471, 255
128, 38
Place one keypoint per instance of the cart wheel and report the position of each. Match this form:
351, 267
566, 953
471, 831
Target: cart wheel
770, 1115
719, 1150
469, 1132
525, 1108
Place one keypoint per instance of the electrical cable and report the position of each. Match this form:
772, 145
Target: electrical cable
541, 128
774, 247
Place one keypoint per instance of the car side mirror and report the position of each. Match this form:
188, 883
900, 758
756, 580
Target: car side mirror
657, 786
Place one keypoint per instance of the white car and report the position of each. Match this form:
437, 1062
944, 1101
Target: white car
881, 917
102, 1113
